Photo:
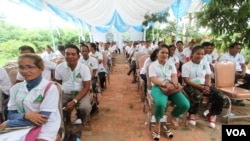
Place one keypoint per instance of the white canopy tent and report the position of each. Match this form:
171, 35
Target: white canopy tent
104, 16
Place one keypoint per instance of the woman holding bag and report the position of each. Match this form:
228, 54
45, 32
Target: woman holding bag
161, 70
34, 102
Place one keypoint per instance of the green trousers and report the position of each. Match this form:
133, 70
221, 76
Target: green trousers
160, 100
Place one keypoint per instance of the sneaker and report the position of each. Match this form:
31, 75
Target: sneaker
205, 113
211, 119
191, 119
156, 136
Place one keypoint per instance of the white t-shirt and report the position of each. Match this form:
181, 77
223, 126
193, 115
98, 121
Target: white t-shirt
196, 72
162, 72
187, 52
5, 82
174, 59
48, 67
47, 56
30, 101
208, 58
238, 59
58, 54
146, 63
72, 80
180, 55
214, 55
91, 62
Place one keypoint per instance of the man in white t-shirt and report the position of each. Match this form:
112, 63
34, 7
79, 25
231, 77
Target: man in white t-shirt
75, 80
239, 60
91, 62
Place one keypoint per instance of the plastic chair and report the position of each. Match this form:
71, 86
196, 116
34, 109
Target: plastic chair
140, 80
224, 81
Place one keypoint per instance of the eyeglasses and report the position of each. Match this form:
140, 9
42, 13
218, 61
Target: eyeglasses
28, 68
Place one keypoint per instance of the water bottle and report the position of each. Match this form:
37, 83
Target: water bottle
230, 114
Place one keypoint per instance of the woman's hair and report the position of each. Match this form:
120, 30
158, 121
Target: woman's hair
74, 47
36, 58
48, 46
93, 45
25, 47
196, 48
153, 55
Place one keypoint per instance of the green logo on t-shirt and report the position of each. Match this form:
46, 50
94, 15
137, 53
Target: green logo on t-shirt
39, 99
170, 67
78, 75
91, 64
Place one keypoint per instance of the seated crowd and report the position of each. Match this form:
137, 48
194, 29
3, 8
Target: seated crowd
192, 67
32, 100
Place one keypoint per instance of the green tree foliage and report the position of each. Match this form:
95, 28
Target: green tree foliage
12, 37
228, 20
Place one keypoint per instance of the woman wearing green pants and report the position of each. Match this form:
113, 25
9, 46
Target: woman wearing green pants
160, 70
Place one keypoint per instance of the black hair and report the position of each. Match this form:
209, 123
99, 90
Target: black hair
26, 47
153, 55
61, 47
196, 48
83, 45
212, 44
179, 42
233, 45
74, 47
171, 46
93, 45
206, 44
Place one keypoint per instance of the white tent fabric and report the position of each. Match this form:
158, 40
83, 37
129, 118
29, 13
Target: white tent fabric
121, 14
100, 12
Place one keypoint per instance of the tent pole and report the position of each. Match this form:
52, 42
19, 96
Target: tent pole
52, 35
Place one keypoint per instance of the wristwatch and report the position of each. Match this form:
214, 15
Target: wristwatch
75, 101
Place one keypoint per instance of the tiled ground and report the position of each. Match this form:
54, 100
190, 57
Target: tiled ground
120, 116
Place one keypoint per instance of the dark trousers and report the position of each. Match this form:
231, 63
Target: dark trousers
93, 83
195, 97
132, 67
144, 78
102, 78
246, 84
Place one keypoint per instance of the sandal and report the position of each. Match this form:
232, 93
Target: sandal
168, 132
156, 136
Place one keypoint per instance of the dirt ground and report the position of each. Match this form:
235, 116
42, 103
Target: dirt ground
121, 116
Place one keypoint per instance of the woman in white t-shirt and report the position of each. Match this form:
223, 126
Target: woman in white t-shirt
34, 102
161, 70
48, 54
197, 78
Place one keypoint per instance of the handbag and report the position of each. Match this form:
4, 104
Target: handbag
169, 92
34, 132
